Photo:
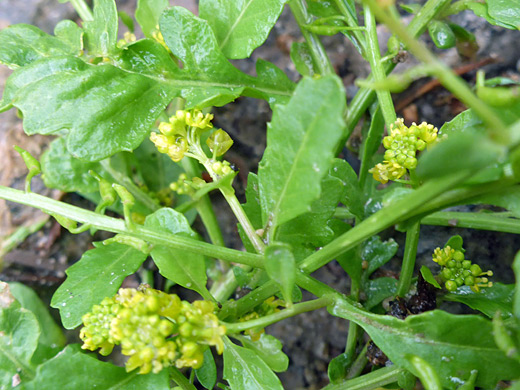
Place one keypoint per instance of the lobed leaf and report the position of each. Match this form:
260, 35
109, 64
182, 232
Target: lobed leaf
192, 40
73, 369
244, 370
22, 44
97, 275
437, 338
300, 140
241, 26
117, 108
188, 270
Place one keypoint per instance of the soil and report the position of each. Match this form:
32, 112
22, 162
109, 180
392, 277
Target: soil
311, 340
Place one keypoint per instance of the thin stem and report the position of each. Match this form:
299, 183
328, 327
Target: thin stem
446, 76
359, 364
483, 221
83, 10
243, 219
381, 220
379, 74
125, 181
410, 252
351, 21
181, 380
318, 54
114, 225
283, 314
372, 380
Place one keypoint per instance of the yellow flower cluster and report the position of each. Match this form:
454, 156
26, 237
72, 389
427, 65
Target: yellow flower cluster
401, 146
154, 329
457, 271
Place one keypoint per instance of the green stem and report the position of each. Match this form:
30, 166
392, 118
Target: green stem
351, 21
83, 10
446, 76
51, 206
381, 220
373, 380
410, 252
236, 207
352, 338
126, 182
379, 74
483, 221
281, 315
318, 54
359, 364
181, 380
364, 97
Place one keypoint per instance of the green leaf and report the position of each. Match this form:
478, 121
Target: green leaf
148, 13
207, 374
352, 197
302, 59
281, 267
97, 275
22, 44
192, 41
311, 229
240, 26
488, 301
51, 340
244, 370
117, 107
300, 141
71, 34
436, 337
455, 242
378, 290
507, 12
64, 172
188, 270
479, 151
441, 34
72, 369
428, 276
377, 252
101, 33
18, 339
269, 349
339, 366
371, 142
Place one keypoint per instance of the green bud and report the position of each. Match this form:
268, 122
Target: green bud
459, 281
420, 145
475, 270
410, 163
469, 280
451, 285
446, 274
466, 264
451, 264
458, 256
